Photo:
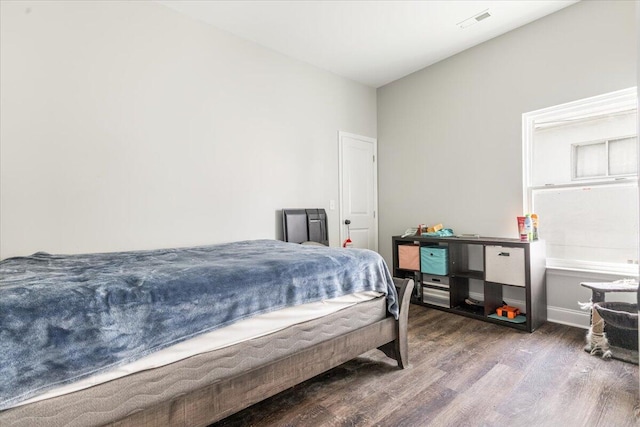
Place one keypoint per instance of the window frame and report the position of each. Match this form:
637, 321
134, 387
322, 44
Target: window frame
608, 174
610, 103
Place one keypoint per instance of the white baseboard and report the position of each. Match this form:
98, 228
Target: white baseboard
564, 316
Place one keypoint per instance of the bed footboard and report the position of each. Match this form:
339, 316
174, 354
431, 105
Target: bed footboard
398, 349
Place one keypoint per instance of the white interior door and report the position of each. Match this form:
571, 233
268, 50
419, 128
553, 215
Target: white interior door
359, 190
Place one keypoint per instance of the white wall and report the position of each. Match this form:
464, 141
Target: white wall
126, 125
638, 80
450, 135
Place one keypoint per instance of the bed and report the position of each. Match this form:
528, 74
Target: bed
207, 386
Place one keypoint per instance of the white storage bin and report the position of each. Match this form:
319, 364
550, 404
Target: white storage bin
436, 297
437, 281
505, 265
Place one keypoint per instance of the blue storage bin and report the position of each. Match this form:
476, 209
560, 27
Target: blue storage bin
434, 260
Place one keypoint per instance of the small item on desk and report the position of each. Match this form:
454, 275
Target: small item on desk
410, 232
419, 232
435, 228
445, 232
528, 227
522, 232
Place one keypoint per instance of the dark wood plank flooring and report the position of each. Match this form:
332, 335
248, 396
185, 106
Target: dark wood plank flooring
463, 372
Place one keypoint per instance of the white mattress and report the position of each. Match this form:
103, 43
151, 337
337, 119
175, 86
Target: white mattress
243, 330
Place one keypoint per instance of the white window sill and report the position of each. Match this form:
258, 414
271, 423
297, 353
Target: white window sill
599, 269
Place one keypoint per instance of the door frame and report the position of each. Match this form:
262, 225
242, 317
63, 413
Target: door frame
342, 226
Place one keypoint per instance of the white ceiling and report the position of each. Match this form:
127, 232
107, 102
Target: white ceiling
372, 42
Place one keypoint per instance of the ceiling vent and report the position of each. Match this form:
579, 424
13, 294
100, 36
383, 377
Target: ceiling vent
474, 19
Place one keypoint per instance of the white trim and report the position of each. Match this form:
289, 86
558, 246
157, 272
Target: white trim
609, 182
612, 269
527, 139
342, 228
586, 275
564, 316
340, 210
620, 100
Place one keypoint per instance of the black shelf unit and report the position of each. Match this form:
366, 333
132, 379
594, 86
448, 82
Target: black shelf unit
505, 263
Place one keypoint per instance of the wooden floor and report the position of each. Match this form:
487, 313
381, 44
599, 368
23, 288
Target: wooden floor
463, 372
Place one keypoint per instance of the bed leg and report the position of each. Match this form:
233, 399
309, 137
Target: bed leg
398, 349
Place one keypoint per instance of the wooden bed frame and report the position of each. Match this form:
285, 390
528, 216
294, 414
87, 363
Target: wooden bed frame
228, 396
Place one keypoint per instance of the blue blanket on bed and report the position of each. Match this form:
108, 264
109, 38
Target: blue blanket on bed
63, 318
